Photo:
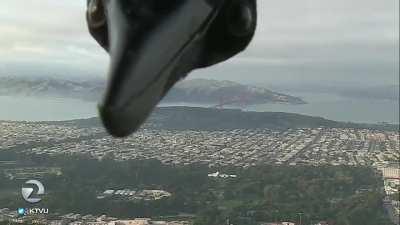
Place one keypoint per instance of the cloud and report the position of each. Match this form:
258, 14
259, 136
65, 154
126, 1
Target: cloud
47, 32
317, 40
320, 41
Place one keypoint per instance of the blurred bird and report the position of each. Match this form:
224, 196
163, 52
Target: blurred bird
154, 43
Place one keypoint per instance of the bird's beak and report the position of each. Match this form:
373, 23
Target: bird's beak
149, 53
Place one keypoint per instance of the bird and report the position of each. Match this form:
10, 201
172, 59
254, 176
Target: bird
153, 44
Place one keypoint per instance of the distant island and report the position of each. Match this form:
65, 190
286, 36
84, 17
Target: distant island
372, 92
196, 91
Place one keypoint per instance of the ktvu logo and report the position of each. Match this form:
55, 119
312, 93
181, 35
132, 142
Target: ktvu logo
30, 197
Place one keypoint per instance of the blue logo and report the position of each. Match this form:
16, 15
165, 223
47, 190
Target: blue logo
21, 211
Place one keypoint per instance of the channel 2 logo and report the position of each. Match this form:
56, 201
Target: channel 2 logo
27, 192
31, 197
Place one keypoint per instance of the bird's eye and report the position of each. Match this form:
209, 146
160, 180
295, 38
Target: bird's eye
240, 18
95, 14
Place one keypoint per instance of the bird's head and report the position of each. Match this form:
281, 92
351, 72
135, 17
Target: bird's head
154, 43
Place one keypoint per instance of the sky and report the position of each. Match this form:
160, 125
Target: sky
297, 42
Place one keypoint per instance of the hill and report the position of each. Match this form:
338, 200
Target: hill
194, 118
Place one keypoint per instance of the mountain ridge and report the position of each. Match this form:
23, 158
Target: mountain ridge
227, 93
198, 91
